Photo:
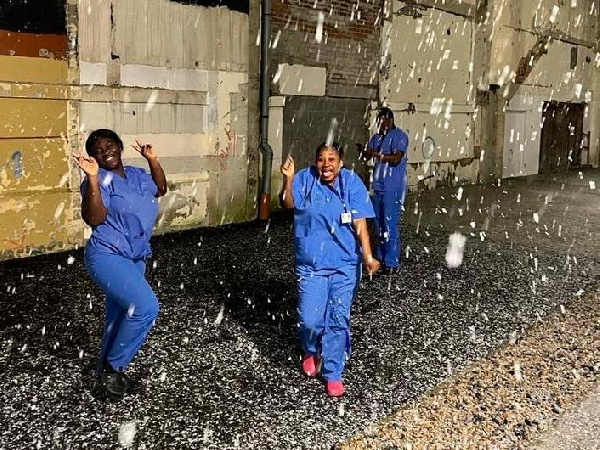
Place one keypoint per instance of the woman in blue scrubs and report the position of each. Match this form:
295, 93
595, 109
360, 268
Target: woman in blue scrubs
331, 205
388, 148
120, 204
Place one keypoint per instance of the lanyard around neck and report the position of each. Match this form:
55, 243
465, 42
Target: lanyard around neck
340, 195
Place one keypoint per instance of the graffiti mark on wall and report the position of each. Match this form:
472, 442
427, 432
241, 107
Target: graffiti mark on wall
17, 241
12, 170
231, 147
16, 164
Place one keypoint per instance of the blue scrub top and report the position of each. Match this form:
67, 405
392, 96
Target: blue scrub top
385, 176
321, 240
132, 211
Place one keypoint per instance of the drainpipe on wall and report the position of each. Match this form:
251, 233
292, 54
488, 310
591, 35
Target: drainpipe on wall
265, 35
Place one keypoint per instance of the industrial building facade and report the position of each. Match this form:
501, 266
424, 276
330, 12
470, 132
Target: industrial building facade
486, 89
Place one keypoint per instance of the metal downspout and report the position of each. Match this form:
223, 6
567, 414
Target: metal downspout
265, 37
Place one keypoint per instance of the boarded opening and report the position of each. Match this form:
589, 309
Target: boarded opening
562, 135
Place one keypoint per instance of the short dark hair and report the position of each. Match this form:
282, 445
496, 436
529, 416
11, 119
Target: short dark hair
386, 113
101, 133
334, 145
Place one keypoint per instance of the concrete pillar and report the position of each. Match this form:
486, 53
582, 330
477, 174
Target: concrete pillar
489, 100
594, 117
78, 231
492, 140
253, 112
276, 105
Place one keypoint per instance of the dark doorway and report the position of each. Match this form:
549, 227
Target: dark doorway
562, 134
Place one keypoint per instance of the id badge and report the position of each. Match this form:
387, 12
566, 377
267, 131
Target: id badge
346, 217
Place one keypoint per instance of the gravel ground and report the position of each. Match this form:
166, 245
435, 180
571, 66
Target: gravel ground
509, 399
577, 430
221, 366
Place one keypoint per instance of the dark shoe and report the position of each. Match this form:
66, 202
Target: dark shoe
131, 386
111, 386
390, 270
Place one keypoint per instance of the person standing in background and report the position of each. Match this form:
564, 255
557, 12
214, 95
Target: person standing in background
388, 148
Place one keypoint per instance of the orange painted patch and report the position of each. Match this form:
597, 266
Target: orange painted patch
53, 46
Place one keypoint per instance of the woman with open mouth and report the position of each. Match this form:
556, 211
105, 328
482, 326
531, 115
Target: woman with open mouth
120, 204
331, 205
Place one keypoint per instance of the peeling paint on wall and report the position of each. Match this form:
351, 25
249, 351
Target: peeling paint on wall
234, 5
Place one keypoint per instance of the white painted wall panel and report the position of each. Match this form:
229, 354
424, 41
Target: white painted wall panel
553, 71
94, 30
95, 115
430, 67
575, 21
134, 118
92, 73
175, 145
451, 138
301, 80
426, 61
169, 34
510, 43
514, 143
451, 143
164, 77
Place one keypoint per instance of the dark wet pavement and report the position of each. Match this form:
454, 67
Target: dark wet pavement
221, 366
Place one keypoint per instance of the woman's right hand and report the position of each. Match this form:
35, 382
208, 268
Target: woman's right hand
88, 164
287, 168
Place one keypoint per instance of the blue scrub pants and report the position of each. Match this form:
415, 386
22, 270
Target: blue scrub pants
131, 305
325, 297
388, 209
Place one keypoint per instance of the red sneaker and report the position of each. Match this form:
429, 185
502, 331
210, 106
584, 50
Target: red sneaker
335, 388
311, 365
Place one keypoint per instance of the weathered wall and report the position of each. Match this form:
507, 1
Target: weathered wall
475, 80
340, 36
563, 72
172, 73
428, 57
37, 210
325, 68
175, 75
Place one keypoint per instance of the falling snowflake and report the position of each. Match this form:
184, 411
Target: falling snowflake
220, 316
454, 253
127, 434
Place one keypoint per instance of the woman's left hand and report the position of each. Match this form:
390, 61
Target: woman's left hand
372, 266
146, 150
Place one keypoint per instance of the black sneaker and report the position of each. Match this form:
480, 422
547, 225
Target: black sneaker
132, 386
111, 385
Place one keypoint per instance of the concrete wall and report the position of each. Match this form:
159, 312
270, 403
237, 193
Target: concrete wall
37, 210
173, 74
325, 72
428, 58
519, 25
454, 64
